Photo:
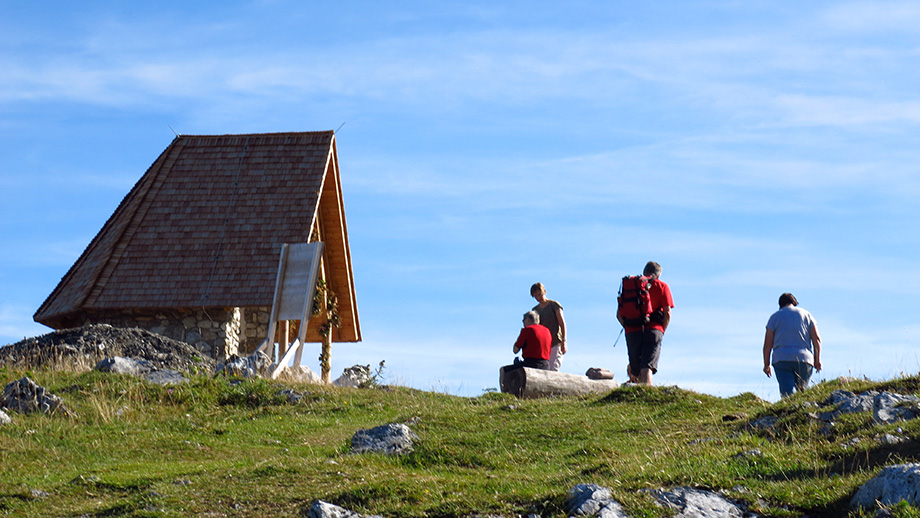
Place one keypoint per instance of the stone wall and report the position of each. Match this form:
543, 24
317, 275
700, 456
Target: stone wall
216, 332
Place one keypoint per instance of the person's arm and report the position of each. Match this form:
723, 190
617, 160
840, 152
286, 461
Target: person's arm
521, 341
816, 343
767, 349
561, 320
665, 317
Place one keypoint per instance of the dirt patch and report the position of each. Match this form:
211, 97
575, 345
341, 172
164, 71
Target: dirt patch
81, 348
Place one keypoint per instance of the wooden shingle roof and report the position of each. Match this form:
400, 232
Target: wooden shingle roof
204, 227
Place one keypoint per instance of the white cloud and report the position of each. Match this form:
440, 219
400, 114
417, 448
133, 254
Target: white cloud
880, 17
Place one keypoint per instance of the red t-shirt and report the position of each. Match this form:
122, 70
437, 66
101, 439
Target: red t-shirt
535, 341
659, 294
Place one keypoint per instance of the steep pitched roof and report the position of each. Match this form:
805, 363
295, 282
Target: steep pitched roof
204, 227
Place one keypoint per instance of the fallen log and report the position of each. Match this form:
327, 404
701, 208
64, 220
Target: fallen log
527, 383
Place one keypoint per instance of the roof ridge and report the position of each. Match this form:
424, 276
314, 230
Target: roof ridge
276, 133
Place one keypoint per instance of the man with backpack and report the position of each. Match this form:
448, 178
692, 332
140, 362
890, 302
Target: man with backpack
644, 310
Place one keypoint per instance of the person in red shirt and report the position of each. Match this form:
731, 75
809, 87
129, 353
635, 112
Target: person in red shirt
644, 343
534, 342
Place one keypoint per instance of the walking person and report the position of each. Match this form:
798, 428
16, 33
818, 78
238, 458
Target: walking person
793, 341
643, 342
551, 317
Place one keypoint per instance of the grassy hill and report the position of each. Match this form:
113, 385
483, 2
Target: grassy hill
217, 448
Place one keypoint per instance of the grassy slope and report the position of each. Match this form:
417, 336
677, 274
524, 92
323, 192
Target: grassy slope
211, 448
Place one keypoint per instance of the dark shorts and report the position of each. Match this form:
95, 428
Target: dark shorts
644, 348
535, 363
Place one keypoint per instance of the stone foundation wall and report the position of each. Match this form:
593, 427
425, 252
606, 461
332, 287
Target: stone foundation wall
216, 332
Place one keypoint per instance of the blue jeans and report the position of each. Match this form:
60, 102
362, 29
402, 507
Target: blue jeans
792, 376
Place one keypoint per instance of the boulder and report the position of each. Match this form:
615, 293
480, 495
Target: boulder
391, 439
892, 485
165, 377
257, 364
320, 509
593, 500
355, 377
889, 407
25, 396
300, 374
122, 365
4, 418
688, 502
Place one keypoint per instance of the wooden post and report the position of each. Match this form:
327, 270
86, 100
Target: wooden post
326, 355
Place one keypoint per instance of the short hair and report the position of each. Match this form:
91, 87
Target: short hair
533, 315
537, 287
787, 299
652, 269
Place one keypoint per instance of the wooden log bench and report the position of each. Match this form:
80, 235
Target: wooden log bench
527, 383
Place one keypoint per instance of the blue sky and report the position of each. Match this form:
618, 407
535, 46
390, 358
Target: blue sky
751, 148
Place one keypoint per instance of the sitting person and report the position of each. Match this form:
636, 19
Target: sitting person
534, 342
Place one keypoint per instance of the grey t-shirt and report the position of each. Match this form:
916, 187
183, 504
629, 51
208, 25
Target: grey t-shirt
791, 328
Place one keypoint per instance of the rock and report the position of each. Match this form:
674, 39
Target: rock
300, 374
838, 396
24, 396
889, 407
749, 454
320, 509
890, 440
355, 376
255, 365
4, 418
140, 369
292, 396
689, 502
593, 500
890, 486
764, 423
886, 407
122, 365
861, 403
165, 377
391, 439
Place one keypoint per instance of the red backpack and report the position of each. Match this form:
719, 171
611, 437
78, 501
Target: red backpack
634, 306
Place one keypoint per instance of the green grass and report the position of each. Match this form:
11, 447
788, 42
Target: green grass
215, 448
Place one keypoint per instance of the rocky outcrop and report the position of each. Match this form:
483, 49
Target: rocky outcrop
892, 485
886, 407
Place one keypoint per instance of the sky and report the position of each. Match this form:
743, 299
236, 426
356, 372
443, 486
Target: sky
750, 147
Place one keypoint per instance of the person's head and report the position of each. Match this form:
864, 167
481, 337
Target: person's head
787, 299
537, 289
531, 318
652, 269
